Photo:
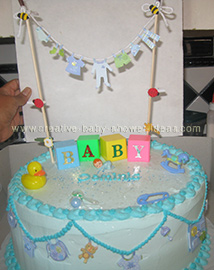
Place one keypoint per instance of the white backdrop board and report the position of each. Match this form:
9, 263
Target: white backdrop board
97, 29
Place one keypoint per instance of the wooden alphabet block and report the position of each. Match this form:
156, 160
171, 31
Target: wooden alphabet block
113, 147
139, 148
88, 147
66, 154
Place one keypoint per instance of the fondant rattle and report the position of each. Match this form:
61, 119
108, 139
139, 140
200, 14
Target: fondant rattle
78, 197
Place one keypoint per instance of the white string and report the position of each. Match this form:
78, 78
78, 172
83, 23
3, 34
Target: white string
86, 58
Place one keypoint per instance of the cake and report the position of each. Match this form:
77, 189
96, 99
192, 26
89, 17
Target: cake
133, 215
136, 209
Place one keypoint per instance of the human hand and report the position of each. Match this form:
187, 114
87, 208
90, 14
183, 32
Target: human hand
11, 101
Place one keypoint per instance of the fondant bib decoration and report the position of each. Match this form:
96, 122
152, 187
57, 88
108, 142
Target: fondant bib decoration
57, 251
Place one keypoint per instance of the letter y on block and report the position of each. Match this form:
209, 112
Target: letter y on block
138, 148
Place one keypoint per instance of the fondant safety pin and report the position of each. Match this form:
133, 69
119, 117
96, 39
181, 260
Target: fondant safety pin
142, 199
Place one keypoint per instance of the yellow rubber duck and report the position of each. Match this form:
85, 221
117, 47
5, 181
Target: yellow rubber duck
36, 177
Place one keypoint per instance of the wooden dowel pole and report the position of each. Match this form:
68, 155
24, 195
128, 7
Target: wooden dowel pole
152, 72
21, 2
38, 83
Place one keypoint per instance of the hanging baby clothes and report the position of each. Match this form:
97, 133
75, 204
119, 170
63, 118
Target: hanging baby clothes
134, 49
132, 263
121, 59
101, 72
147, 35
41, 35
74, 65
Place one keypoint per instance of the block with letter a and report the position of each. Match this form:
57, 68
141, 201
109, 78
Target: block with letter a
139, 148
88, 147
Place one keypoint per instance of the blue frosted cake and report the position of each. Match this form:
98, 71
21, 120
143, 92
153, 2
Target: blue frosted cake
129, 216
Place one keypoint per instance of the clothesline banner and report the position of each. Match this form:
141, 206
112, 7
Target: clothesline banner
101, 67
74, 41
144, 34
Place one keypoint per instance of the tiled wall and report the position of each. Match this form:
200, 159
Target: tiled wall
8, 63
198, 91
198, 77
198, 88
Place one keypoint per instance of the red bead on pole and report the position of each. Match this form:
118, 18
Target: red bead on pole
153, 92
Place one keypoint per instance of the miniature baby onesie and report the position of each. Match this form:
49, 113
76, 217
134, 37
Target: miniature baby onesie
132, 263
74, 65
101, 72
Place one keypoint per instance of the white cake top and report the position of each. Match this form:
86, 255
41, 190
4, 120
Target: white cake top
109, 194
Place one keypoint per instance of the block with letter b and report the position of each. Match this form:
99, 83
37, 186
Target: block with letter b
139, 148
88, 147
113, 147
66, 154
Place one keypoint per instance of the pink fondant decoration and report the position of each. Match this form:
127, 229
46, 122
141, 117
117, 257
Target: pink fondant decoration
139, 148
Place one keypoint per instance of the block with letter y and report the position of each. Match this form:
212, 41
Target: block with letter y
66, 154
113, 147
139, 148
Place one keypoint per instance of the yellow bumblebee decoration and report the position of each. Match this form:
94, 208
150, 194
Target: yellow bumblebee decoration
157, 9
154, 9
24, 16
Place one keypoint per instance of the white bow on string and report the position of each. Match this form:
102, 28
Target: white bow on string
157, 8
24, 11
15, 16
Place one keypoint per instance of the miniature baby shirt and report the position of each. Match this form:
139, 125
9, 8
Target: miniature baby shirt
101, 72
74, 65
135, 49
41, 35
